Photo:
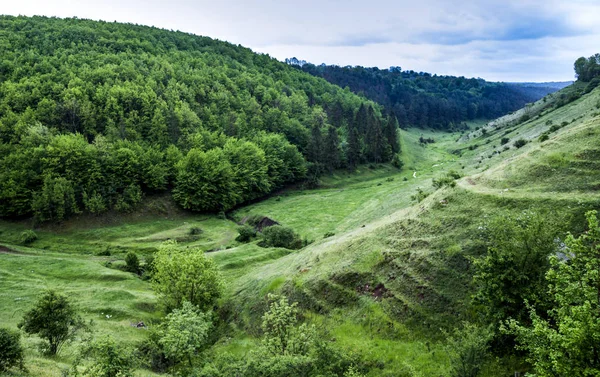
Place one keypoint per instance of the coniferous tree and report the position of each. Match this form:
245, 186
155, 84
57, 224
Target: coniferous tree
332, 149
354, 152
391, 133
361, 121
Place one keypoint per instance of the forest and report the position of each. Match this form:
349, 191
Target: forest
428, 100
95, 115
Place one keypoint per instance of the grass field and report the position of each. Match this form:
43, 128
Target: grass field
391, 279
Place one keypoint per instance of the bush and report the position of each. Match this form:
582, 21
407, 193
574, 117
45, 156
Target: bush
397, 162
133, 262
468, 351
245, 233
520, 143
543, 137
28, 236
504, 140
11, 351
280, 236
195, 231
109, 360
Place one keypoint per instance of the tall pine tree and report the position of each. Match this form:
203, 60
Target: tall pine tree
391, 133
353, 153
332, 149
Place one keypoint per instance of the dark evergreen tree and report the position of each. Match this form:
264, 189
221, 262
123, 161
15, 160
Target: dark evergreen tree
332, 149
391, 133
353, 154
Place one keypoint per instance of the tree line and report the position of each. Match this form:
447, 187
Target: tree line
420, 99
95, 115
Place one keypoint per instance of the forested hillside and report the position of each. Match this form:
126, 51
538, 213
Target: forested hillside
95, 115
425, 100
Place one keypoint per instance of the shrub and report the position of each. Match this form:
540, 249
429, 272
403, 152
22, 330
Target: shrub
133, 262
28, 236
504, 140
54, 319
468, 348
419, 195
543, 137
108, 360
11, 351
280, 236
195, 231
245, 233
328, 234
520, 143
397, 162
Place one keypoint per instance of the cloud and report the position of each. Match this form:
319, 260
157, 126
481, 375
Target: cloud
511, 40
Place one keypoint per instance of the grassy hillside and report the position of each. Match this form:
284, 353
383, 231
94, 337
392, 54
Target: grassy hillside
387, 272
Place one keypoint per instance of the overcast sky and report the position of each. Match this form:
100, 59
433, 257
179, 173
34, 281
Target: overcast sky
499, 40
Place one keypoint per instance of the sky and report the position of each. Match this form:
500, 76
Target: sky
498, 40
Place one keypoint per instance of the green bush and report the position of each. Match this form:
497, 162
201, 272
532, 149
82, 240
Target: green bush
28, 236
504, 140
280, 236
11, 351
195, 231
543, 137
397, 162
109, 359
133, 262
245, 233
520, 143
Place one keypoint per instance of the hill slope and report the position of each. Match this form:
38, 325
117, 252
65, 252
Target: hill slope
129, 103
420, 99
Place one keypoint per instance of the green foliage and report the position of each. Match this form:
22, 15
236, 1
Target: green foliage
543, 137
280, 236
397, 161
108, 359
184, 333
281, 335
468, 350
512, 272
132, 262
28, 236
565, 343
504, 140
246, 233
11, 351
205, 181
185, 275
420, 195
520, 143
55, 201
54, 319
587, 69
449, 179
93, 125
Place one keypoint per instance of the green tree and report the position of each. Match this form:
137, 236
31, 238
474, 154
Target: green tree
185, 275
282, 335
205, 181
249, 167
55, 201
566, 343
513, 270
132, 262
353, 153
184, 333
331, 150
468, 350
391, 133
54, 319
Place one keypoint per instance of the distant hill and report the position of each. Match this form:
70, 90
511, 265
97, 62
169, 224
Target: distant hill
537, 90
427, 100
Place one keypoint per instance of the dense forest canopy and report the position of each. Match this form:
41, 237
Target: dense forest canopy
425, 100
94, 115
